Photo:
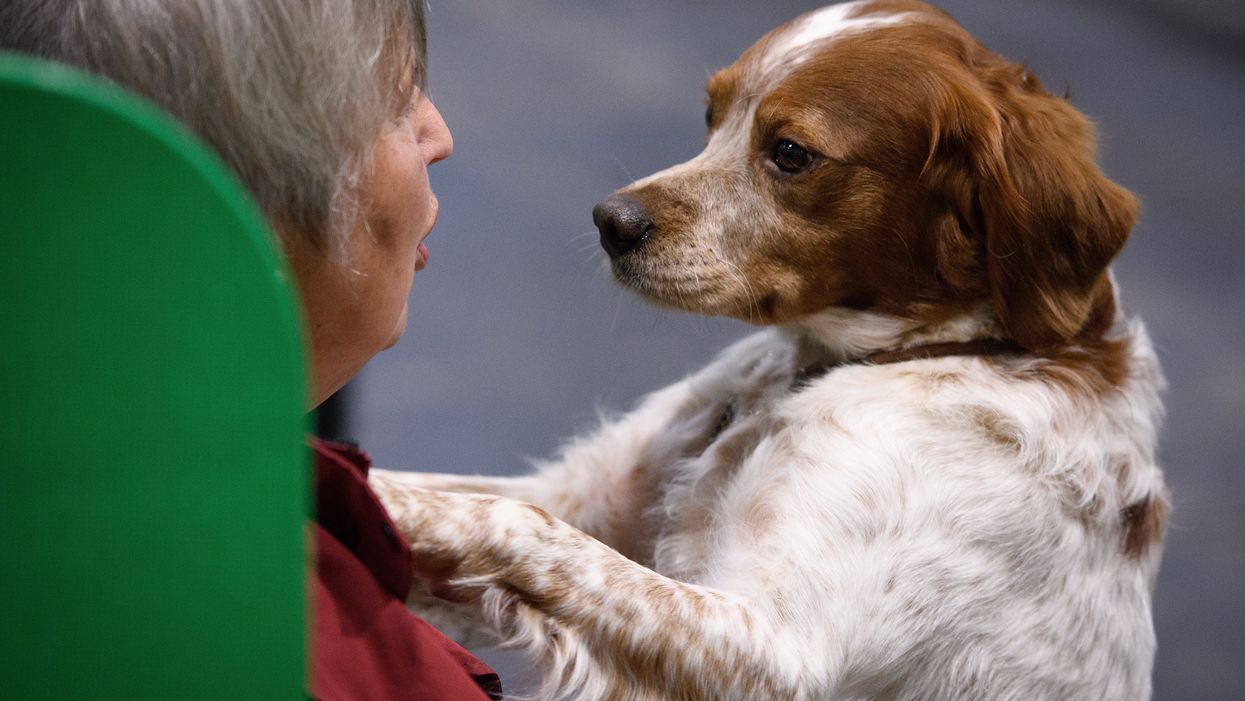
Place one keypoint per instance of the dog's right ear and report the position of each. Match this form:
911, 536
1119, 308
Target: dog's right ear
1046, 221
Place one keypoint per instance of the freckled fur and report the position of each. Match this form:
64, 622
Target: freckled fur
948, 528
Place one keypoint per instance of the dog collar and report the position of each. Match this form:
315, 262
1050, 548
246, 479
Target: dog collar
807, 373
978, 347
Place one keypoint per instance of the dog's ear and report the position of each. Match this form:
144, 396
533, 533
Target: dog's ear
1050, 220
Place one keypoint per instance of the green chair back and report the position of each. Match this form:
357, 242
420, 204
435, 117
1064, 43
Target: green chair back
153, 476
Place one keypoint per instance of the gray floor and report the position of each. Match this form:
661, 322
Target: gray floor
517, 335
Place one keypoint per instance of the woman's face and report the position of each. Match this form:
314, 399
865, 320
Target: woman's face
354, 311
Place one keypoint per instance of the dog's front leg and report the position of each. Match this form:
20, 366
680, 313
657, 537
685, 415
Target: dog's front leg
602, 482
608, 627
529, 488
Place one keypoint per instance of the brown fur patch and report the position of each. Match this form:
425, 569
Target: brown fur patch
995, 427
947, 176
540, 514
1094, 363
1143, 525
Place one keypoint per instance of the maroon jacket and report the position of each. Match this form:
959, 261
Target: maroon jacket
366, 644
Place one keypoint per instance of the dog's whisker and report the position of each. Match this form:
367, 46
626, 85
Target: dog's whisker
750, 295
623, 166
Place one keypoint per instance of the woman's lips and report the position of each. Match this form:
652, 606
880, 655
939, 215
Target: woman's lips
422, 259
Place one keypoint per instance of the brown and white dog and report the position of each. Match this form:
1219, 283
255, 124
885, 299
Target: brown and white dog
931, 477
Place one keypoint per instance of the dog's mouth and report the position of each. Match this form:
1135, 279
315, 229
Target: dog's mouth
667, 286
635, 273
701, 285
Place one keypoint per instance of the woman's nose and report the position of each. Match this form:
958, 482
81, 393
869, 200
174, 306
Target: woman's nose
436, 134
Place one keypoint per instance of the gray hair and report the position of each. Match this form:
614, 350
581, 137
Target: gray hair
291, 93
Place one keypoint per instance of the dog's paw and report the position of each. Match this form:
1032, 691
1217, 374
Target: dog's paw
438, 525
461, 544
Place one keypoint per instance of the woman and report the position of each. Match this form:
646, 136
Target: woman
318, 106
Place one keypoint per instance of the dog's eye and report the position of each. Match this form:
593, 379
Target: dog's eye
709, 116
791, 157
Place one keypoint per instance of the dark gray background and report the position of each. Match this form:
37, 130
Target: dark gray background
517, 334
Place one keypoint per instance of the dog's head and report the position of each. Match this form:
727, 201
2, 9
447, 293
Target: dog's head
872, 155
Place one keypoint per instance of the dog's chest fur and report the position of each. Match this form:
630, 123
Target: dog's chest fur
721, 444
753, 438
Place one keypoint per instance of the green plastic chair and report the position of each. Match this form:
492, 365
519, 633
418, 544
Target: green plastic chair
153, 474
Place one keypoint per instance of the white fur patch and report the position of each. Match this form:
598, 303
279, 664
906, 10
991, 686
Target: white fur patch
819, 26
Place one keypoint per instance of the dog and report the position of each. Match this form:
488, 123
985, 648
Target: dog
931, 475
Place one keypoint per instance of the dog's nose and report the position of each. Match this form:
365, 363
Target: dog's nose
622, 223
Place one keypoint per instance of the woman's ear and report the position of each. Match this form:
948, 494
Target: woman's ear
1051, 220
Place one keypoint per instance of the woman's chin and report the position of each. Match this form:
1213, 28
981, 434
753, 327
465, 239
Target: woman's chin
398, 329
